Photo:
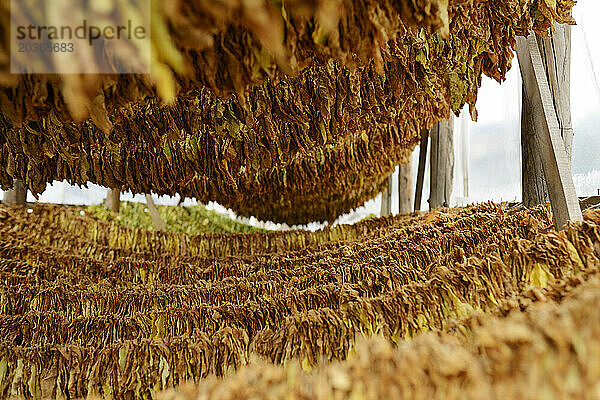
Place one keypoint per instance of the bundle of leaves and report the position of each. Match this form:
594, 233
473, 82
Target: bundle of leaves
89, 307
303, 146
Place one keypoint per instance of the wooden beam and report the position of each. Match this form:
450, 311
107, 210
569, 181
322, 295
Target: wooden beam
386, 199
405, 188
584, 203
589, 202
556, 57
157, 220
113, 200
421, 168
16, 196
441, 161
548, 134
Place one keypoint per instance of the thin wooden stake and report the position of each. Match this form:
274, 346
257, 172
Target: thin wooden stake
405, 188
464, 154
386, 199
113, 200
421, 168
16, 196
441, 164
157, 220
549, 142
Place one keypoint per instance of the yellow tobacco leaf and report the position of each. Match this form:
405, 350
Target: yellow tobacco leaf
306, 365
574, 256
540, 275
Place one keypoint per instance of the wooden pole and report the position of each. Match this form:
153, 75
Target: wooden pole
405, 188
464, 153
533, 184
421, 168
16, 196
386, 199
113, 200
556, 59
441, 164
157, 220
548, 134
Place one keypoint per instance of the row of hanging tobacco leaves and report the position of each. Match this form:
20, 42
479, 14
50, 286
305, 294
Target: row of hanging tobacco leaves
549, 351
82, 312
96, 236
191, 220
298, 122
236, 45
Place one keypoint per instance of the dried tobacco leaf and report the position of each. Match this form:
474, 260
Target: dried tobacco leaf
288, 149
74, 322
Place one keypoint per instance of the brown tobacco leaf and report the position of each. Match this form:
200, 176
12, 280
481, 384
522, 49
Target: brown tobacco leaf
285, 148
92, 308
528, 355
235, 45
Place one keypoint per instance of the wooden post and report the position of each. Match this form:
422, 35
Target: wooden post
548, 134
556, 58
113, 200
386, 199
533, 184
158, 222
441, 164
421, 168
16, 196
464, 153
405, 188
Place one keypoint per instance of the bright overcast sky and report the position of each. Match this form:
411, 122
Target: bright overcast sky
496, 104
585, 75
